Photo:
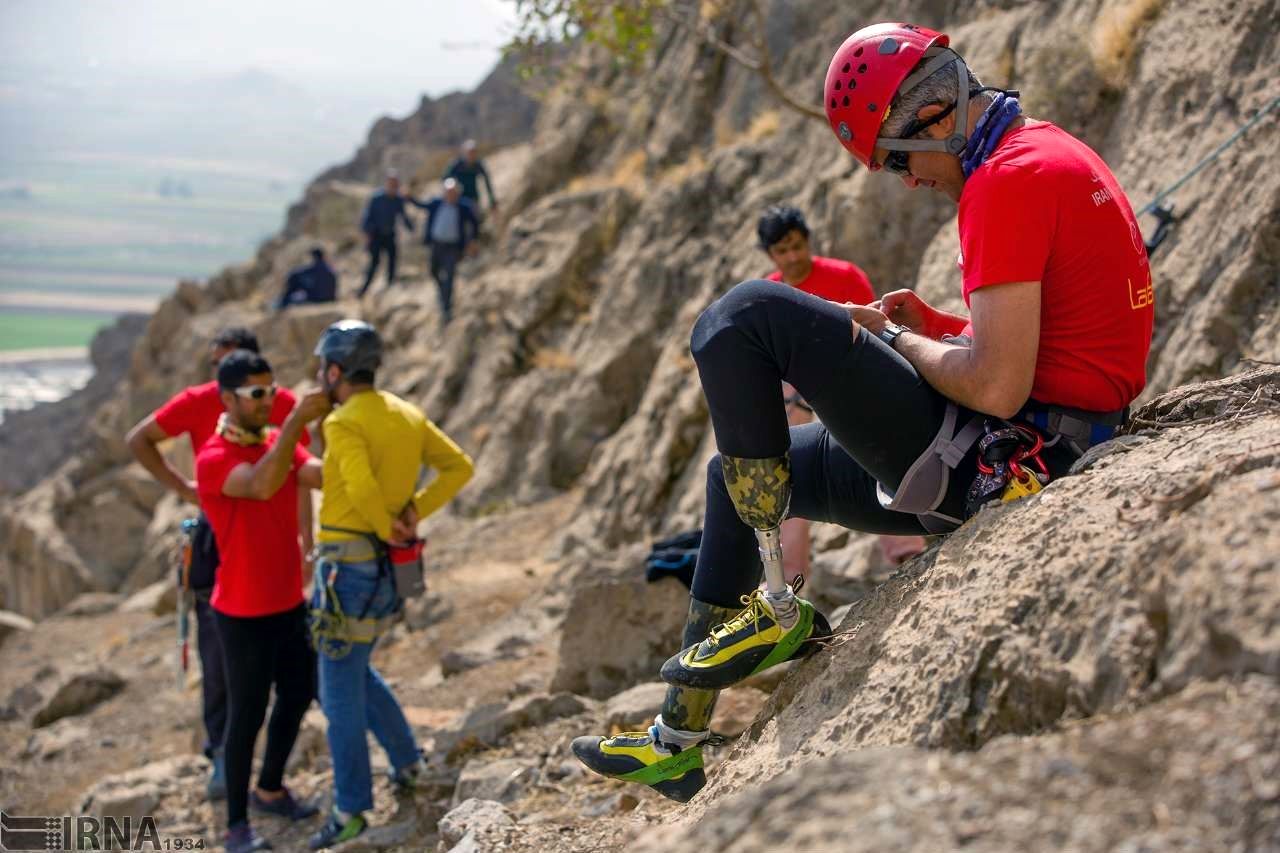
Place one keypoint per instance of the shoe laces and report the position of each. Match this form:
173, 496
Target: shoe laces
755, 608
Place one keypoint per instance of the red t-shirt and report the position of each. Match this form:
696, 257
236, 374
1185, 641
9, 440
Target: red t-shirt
1044, 207
839, 281
195, 411
261, 570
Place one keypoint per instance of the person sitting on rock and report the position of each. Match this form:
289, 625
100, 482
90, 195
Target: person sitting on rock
248, 477
1056, 278
784, 236
375, 447
311, 284
452, 227
195, 412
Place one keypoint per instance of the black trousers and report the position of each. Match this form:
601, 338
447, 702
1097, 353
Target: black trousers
444, 263
877, 416
262, 651
213, 675
378, 245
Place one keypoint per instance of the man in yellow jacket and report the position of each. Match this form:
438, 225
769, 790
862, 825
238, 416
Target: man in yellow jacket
375, 447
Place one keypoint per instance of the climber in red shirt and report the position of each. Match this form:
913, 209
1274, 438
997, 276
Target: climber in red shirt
914, 402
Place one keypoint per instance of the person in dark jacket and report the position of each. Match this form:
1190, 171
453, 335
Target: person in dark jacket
379, 226
312, 283
467, 170
452, 225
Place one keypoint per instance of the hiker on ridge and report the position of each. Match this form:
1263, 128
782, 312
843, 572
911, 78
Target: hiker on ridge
195, 412
378, 223
310, 284
452, 226
1055, 275
375, 447
249, 478
467, 170
784, 236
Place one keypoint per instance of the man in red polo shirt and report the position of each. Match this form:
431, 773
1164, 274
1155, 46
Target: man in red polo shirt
1053, 350
195, 412
249, 476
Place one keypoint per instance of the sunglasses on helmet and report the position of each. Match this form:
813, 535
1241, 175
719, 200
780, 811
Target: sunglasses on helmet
255, 392
896, 162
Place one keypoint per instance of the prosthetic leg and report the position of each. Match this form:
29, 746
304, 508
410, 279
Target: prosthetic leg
776, 624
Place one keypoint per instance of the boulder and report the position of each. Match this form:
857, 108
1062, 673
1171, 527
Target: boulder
137, 793
503, 781
483, 818
91, 604
618, 628
635, 707
488, 725
13, 623
157, 599
57, 739
78, 693
736, 709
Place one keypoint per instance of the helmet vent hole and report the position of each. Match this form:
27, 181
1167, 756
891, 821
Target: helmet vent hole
837, 85
847, 65
857, 52
833, 103
862, 69
853, 84
845, 102
871, 108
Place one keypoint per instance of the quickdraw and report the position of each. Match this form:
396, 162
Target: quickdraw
1009, 466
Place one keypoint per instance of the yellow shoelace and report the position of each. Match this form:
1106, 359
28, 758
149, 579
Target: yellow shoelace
755, 608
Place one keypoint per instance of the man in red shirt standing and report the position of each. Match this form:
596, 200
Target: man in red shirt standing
249, 476
195, 411
784, 236
1054, 349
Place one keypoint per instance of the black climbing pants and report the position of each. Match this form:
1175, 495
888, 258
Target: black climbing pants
213, 675
877, 416
262, 651
379, 244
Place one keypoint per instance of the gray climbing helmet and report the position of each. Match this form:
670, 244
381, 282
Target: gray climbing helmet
353, 345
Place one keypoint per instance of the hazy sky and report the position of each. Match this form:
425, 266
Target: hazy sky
430, 46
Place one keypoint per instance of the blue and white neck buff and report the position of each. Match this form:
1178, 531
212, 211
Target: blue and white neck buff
996, 118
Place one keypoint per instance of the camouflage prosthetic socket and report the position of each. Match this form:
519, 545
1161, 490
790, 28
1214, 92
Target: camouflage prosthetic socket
761, 493
688, 708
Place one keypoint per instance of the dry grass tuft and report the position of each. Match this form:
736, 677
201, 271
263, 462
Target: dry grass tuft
553, 359
1115, 37
628, 174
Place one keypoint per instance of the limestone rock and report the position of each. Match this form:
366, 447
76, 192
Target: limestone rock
156, 599
137, 793
503, 781
484, 818
489, 724
91, 604
736, 709
635, 707
57, 739
78, 693
618, 628
13, 623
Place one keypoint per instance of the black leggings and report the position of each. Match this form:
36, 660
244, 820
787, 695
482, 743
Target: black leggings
259, 651
877, 416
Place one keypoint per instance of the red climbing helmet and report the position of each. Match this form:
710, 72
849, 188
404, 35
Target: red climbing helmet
873, 67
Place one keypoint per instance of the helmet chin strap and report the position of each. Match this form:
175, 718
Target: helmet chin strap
956, 142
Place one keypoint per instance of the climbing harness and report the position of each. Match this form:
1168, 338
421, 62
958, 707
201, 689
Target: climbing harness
186, 599
333, 631
1165, 218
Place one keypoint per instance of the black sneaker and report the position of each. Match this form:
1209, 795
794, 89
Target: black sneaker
242, 839
285, 806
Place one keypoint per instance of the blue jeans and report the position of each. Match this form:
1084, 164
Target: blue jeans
353, 694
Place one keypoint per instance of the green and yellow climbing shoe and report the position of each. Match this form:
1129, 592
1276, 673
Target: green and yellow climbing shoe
673, 772
751, 642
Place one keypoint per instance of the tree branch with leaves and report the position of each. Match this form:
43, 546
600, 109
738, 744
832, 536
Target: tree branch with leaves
626, 30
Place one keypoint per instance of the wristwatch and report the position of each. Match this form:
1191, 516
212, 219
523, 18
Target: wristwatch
890, 333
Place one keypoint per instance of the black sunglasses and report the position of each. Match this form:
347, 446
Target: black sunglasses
896, 162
